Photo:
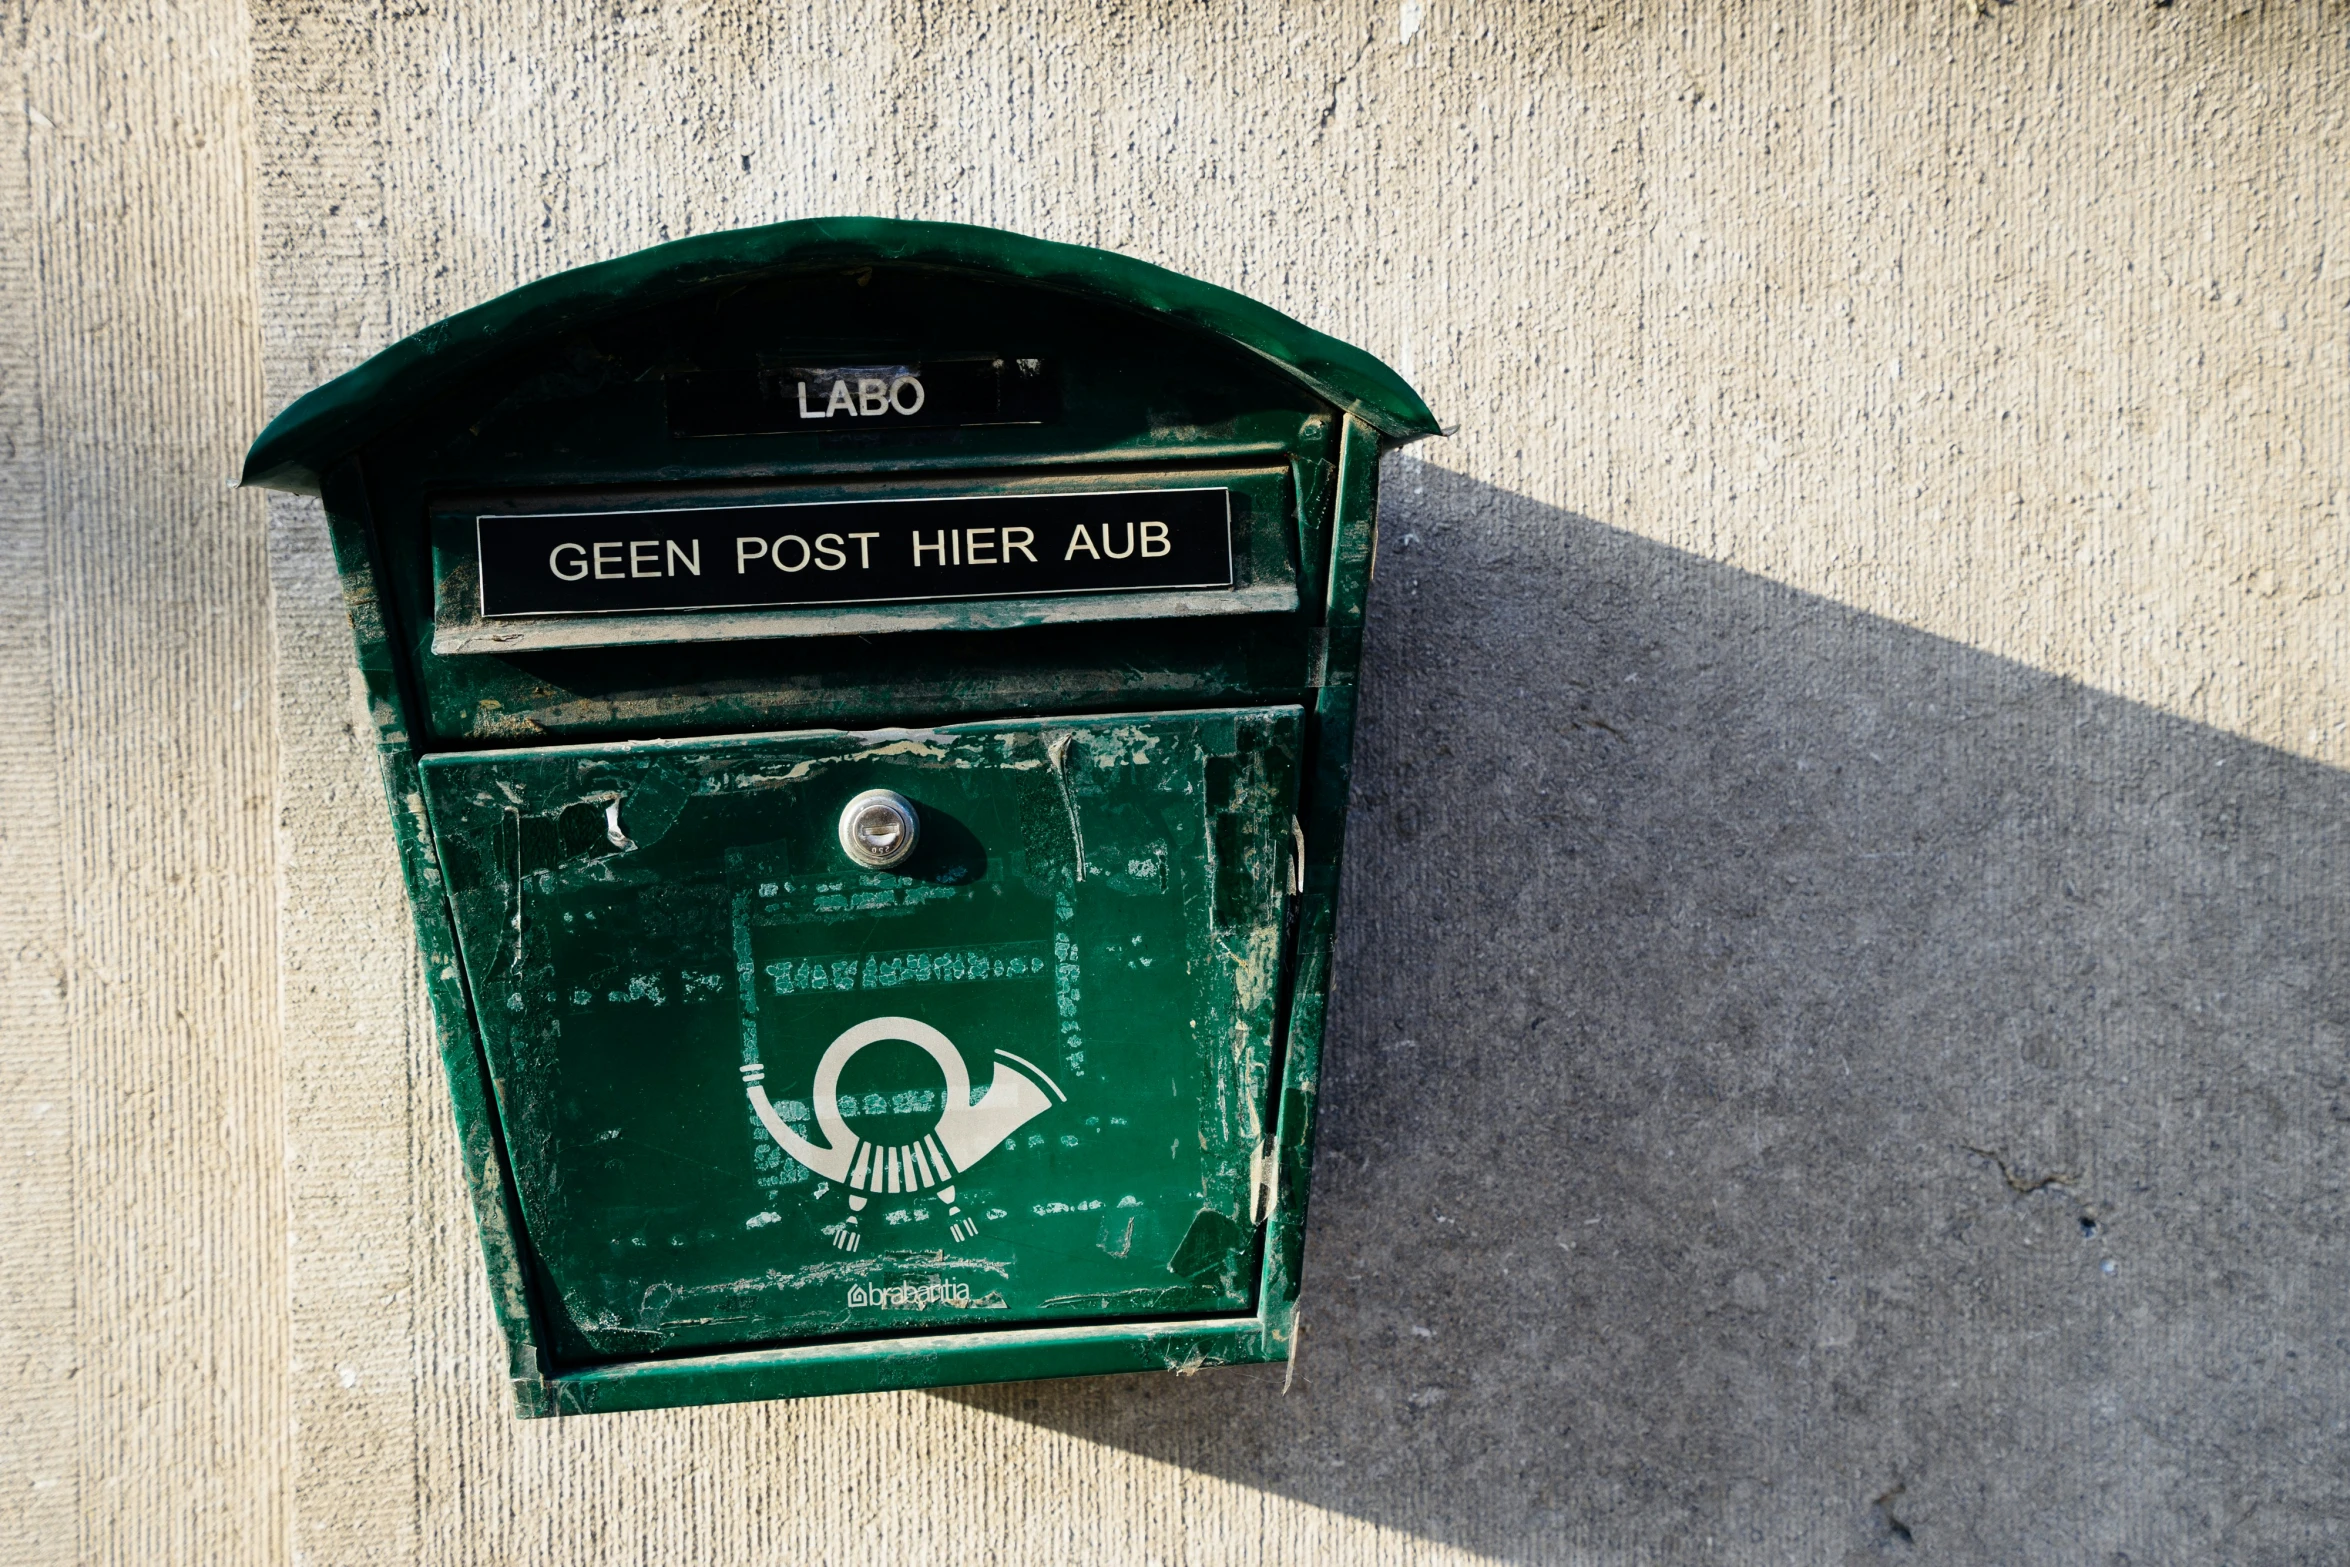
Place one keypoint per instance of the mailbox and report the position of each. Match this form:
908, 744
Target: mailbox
865, 708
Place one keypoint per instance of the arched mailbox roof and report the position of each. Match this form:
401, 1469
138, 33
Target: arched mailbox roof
329, 423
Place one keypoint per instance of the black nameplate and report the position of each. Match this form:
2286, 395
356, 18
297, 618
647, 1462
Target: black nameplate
785, 395
853, 552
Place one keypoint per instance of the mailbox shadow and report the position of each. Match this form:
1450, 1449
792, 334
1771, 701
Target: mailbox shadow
947, 851
1800, 1089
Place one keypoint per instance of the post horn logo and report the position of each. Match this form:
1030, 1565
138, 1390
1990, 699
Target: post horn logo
963, 1135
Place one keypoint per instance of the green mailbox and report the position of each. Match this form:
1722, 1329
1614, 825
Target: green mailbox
865, 708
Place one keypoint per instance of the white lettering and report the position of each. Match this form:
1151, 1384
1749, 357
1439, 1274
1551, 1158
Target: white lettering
601, 546
911, 1297
777, 557
746, 551
864, 549
899, 385
555, 562
1081, 537
638, 549
841, 398
1154, 540
677, 557
1026, 538
829, 554
804, 404
980, 538
939, 549
1117, 554
872, 397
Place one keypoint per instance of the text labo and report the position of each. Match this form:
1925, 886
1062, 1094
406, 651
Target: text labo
980, 390
864, 397
783, 395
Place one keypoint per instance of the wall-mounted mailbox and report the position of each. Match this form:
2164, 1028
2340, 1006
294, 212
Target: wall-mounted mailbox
866, 709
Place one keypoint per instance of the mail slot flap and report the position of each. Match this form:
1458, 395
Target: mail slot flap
835, 387
751, 1091
845, 365
541, 677
480, 508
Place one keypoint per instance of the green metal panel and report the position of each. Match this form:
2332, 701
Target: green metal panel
1052, 1027
642, 941
496, 1216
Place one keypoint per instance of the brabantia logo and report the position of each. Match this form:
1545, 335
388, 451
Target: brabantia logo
910, 1297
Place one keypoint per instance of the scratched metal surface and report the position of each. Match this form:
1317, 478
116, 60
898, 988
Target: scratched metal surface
584, 410
644, 926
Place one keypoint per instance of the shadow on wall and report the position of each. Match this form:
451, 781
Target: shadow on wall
1800, 1088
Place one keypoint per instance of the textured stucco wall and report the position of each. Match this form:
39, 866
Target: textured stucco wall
1841, 1049
142, 1282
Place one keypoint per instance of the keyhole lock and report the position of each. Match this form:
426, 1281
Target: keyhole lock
879, 828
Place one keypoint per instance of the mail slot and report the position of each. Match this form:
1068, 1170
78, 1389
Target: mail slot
865, 709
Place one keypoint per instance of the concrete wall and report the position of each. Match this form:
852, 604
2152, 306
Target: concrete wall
1841, 1050
143, 1307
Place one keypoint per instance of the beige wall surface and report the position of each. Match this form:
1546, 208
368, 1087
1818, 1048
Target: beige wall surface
143, 1321
1841, 1041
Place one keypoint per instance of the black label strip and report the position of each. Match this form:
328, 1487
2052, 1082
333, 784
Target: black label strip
853, 552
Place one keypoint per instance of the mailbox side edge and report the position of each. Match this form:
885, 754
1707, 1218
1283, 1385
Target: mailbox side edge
489, 1185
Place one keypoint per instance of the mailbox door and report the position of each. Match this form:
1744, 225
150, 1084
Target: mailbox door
751, 1093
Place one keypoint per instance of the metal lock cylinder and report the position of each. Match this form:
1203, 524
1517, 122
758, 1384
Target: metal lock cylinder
879, 828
